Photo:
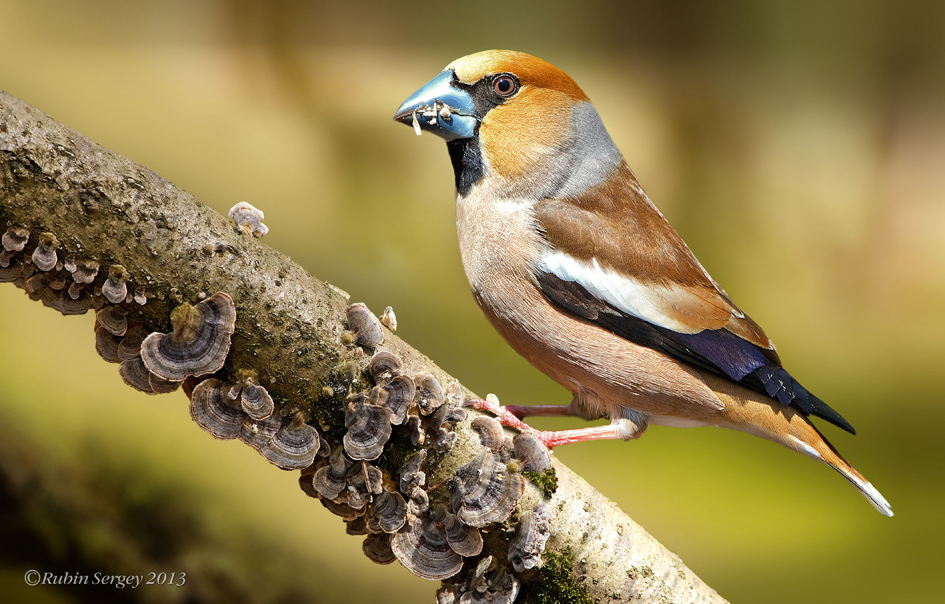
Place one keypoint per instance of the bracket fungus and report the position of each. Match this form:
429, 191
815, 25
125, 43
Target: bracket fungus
76, 290
138, 377
257, 434
431, 395
10, 269
377, 548
130, 346
35, 283
329, 481
141, 295
68, 263
384, 366
214, 411
358, 526
293, 446
490, 432
410, 474
85, 272
69, 306
158, 384
443, 440
442, 422
44, 256
248, 219
14, 239
400, 394
418, 501
342, 510
481, 586
532, 533
113, 319
531, 452
135, 374
57, 282
422, 548
465, 540
199, 343
390, 509
324, 447
256, 401
306, 481
484, 491
415, 429
51, 298
115, 288
368, 427
77, 304
373, 478
106, 344
363, 480
364, 325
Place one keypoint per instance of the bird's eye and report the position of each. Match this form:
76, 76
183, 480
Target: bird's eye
504, 85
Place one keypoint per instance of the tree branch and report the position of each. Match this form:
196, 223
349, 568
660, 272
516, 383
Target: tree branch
290, 330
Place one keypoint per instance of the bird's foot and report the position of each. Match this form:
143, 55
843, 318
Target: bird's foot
508, 415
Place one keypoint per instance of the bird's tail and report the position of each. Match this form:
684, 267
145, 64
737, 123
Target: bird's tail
822, 450
748, 412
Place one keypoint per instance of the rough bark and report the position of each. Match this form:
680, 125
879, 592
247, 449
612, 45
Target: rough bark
289, 329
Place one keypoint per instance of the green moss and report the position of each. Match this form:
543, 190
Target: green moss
328, 411
546, 481
554, 582
246, 373
184, 316
347, 372
327, 401
396, 452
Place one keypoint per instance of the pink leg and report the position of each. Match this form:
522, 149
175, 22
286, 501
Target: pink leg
579, 435
510, 415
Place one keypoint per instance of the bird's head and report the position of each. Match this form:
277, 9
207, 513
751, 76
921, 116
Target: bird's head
516, 120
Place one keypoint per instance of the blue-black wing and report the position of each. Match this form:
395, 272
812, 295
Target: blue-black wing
717, 350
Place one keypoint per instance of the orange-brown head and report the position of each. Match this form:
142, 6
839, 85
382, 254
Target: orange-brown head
510, 115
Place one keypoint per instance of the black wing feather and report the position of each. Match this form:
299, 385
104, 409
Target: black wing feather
718, 351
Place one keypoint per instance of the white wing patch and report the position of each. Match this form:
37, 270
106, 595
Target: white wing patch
621, 291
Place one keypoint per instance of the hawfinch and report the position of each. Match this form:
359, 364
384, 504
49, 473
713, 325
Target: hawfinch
576, 268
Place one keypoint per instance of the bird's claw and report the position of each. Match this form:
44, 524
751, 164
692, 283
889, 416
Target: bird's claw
506, 415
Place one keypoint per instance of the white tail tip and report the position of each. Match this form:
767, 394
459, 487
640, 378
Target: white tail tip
879, 502
869, 491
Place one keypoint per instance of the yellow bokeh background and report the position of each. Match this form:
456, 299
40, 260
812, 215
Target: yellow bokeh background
798, 147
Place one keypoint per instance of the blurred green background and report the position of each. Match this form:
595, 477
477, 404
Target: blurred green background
798, 147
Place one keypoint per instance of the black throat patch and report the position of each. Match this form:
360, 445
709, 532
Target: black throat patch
467, 162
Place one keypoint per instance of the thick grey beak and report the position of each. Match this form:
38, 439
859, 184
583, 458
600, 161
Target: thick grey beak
440, 108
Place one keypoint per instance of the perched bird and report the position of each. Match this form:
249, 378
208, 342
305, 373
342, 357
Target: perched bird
576, 268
